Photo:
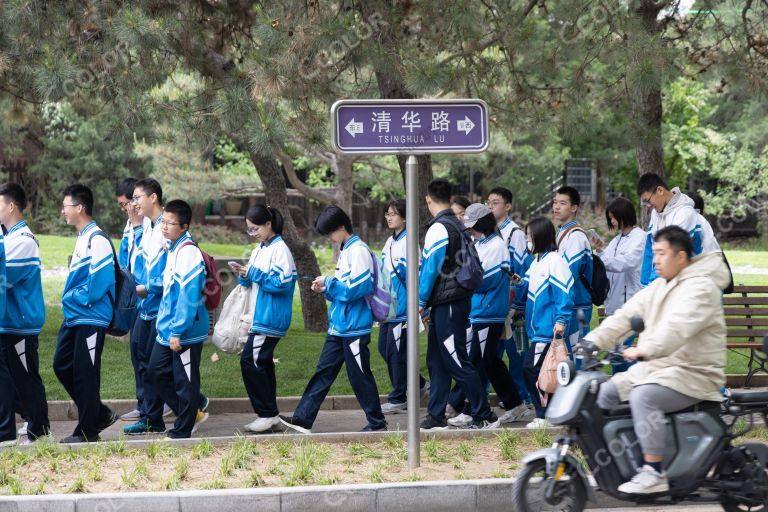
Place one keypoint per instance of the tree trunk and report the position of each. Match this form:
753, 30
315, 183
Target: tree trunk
644, 80
312, 304
390, 79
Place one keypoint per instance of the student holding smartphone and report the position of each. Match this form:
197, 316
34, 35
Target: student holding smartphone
271, 276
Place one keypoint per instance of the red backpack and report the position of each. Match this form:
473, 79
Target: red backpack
212, 288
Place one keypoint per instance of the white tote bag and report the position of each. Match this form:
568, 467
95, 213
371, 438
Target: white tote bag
231, 330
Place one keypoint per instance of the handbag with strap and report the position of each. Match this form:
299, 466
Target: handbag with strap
547, 381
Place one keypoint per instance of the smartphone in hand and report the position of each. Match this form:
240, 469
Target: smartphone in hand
235, 266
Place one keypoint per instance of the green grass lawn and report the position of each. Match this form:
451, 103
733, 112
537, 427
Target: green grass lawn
297, 352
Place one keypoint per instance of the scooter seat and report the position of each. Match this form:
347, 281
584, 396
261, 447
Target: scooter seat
749, 397
623, 409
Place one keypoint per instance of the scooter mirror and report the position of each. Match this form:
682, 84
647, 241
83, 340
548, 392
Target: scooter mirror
637, 324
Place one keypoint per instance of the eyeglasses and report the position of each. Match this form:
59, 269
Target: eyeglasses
69, 205
135, 199
647, 201
390, 215
169, 223
252, 231
123, 204
494, 203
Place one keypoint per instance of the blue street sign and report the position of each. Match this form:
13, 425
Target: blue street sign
409, 126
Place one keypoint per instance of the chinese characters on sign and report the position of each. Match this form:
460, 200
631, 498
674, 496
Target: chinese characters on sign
418, 126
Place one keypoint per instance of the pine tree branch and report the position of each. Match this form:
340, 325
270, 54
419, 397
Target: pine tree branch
299, 185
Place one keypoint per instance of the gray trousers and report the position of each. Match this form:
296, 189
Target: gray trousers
649, 404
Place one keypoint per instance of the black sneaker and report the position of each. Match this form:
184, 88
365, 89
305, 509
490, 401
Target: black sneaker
108, 421
295, 424
370, 428
78, 439
430, 423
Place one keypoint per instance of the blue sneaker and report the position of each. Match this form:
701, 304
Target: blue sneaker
141, 427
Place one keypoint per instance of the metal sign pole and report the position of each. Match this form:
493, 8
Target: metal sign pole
412, 257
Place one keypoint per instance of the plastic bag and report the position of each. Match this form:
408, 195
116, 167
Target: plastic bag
231, 330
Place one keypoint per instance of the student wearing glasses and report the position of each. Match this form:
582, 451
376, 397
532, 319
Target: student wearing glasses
182, 324
87, 309
271, 277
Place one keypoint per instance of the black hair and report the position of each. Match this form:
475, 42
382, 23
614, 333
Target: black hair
80, 194
150, 186
15, 194
677, 238
573, 195
125, 188
181, 209
439, 191
623, 211
398, 205
331, 219
462, 201
485, 224
649, 182
698, 201
542, 233
502, 192
260, 215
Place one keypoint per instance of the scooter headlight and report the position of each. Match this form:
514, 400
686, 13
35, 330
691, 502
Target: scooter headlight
566, 371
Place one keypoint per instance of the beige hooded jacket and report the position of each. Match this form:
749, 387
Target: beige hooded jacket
684, 337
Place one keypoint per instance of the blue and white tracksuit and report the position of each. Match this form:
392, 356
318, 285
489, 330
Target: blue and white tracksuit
87, 305
148, 257
271, 276
577, 253
520, 258
447, 357
20, 325
7, 409
490, 307
393, 334
182, 315
549, 288
678, 212
348, 337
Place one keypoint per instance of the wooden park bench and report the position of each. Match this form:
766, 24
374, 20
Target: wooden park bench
746, 320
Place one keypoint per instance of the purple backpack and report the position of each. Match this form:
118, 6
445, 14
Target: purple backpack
381, 302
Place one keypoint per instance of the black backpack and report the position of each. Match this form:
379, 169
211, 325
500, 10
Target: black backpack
600, 286
124, 302
466, 259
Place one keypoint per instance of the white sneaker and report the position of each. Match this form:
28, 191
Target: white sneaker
133, 415
450, 412
538, 423
47, 438
390, 408
646, 481
425, 390
519, 413
262, 424
23, 429
461, 421
167, 411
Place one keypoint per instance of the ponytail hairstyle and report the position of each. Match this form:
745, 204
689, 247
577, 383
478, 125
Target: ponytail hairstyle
260, 215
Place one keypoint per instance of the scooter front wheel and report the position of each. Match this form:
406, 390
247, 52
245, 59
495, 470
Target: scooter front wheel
530, 490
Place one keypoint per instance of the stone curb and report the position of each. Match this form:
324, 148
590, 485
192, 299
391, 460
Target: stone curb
328, 437
491, 495
65, 410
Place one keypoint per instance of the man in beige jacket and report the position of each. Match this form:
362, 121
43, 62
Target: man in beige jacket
682, 347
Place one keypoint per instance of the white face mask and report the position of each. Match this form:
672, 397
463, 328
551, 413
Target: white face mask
530, 246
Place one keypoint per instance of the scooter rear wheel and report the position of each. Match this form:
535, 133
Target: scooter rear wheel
531, 484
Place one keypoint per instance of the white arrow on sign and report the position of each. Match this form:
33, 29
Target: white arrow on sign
465, 125
354, 128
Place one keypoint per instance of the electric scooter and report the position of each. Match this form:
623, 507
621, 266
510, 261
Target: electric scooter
702, 462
